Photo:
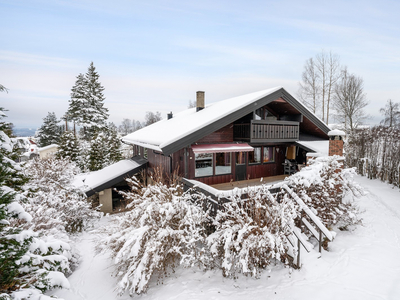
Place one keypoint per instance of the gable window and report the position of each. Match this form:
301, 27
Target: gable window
203, 164
255, 156
269, 154
222, 163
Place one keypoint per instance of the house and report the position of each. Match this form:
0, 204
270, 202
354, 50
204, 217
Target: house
48, 151
261, 134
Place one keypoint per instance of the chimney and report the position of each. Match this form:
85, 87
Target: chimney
336, 142
169, 116
199, 100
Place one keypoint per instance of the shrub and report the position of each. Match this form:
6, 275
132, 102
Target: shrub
328, 190
162, 229
252, 233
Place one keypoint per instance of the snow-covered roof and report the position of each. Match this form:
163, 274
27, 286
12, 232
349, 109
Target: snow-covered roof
336, 132
166, 132
96, 181
320, 148
48, 147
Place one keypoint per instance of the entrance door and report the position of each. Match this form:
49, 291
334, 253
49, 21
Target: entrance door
240, 169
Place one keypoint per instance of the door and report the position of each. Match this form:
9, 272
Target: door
240, 169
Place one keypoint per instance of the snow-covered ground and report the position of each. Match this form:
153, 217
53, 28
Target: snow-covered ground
363, 264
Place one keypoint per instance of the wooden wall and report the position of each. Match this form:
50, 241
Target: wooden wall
223, 135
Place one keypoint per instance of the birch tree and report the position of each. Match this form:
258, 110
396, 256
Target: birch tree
318, 80
391, 113
350, 100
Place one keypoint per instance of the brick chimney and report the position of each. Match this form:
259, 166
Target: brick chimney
336, 142
199, 100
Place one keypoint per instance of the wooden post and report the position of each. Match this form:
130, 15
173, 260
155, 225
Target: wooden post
186, 162
320, 240
298, 253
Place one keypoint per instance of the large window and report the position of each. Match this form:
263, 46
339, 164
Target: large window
222, 163
255, 156
269, 154
203, 164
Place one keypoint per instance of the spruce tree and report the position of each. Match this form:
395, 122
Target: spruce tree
113, 144
86, 106
50, 132
69, 147
98, 153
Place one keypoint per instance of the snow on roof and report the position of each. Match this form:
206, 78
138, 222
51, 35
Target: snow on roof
321, 148
166, 132
48, 147
95, 179
336, 132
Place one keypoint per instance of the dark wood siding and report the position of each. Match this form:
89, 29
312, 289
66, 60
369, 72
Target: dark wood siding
158, 160
223, 135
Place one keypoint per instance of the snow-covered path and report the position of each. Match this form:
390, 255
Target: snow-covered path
363, 264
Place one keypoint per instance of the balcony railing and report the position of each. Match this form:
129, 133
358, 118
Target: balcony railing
259, 131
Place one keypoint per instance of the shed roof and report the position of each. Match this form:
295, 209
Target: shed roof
189, 126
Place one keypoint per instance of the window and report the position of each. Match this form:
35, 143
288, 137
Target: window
255, 156
203, 164
269, 154
222, 163
240, 158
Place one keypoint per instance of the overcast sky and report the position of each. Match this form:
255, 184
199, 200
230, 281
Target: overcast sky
154, 55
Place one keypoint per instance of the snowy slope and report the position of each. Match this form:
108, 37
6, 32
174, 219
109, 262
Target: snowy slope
362, 264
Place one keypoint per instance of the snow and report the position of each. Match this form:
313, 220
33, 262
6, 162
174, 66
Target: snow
94, 179
336, 132
321, 148
48, 147
166, 132
360, 264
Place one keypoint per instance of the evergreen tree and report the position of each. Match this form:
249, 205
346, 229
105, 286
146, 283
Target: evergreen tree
113, 144
50, 132
98, 153
86, 106
69, 147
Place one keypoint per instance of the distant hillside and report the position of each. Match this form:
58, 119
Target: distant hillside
24, 131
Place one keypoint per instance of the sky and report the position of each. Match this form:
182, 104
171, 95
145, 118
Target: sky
155, 55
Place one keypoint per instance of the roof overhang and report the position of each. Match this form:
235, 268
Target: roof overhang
221, 148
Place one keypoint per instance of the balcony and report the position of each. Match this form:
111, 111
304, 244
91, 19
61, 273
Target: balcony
264, 131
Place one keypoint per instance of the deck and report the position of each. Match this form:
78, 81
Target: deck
251, 182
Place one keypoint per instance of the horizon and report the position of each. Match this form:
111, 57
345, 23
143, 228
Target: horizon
155, 56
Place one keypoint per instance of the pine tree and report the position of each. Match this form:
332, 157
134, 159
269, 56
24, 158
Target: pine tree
86, 106
69, 147
50, 132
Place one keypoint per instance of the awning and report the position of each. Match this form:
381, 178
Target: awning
214, 148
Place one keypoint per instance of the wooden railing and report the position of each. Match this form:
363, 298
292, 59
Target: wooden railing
267, 131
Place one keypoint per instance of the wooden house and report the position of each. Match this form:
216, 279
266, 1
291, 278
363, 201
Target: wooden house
261, 134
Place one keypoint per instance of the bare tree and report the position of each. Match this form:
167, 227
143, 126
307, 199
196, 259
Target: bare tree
350, 100
126, 127
192, 104
137, 125
318, 80
151, 117
391, 113
309, 88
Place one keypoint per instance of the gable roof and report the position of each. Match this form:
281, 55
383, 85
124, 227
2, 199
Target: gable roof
190, 126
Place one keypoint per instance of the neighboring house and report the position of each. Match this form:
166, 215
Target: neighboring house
27, 148
47, 151
250, 136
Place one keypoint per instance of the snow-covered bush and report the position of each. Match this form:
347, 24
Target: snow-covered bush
163, 228
252, 233
55, 204
327, 189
